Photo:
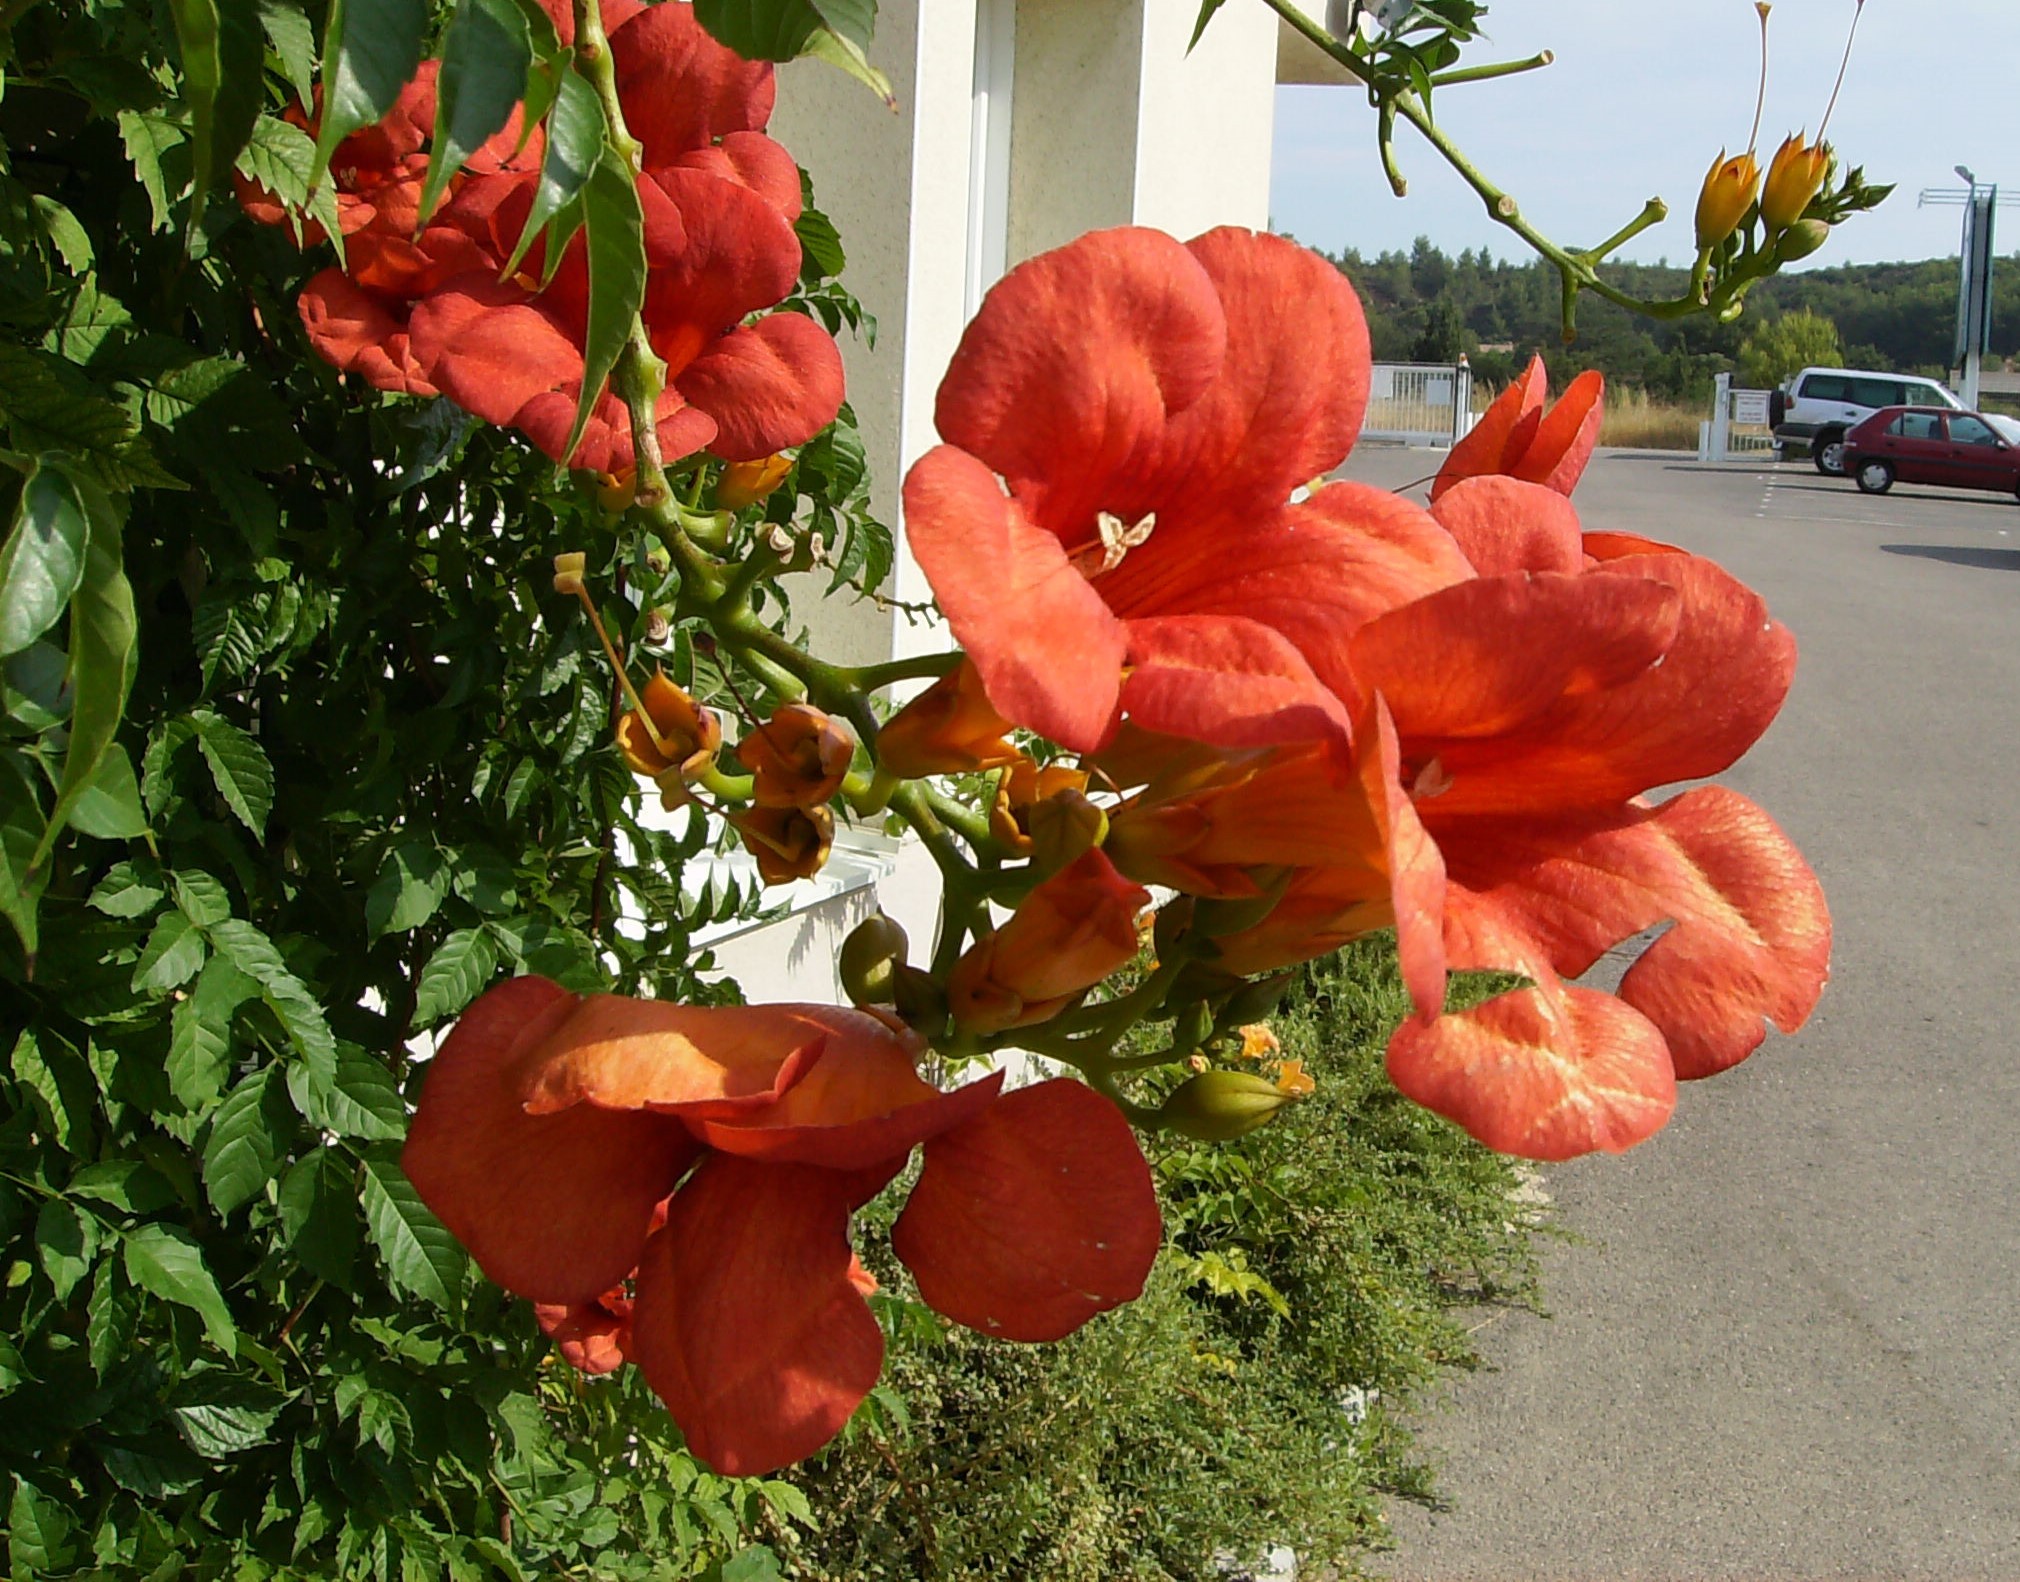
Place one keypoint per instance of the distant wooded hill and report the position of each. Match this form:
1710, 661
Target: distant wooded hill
1424, 305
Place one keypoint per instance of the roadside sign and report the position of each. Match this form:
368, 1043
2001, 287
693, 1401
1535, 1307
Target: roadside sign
1750, 408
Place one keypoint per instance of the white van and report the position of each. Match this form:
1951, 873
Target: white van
1818, 405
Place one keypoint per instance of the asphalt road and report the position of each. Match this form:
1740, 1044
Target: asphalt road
1786, 1344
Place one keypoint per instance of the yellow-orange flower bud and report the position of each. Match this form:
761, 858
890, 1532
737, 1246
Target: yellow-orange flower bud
1801, 239
615, 491
747, 482
1795, 176
1019, 796
1070, 933
1728, 192
870, 959
683, 735
1258, 1041
950, 728
788, 842
797, 758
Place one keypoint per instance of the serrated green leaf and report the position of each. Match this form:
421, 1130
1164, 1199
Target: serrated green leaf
111, 1317
165, 1262
38, 1534
199, 1042
200, 896
837, 31
485, 57
42, 562
103, 633
171, 957
238, 768
131, 889
614, 224
575, 136
292, 37
319, 1215
420, 1255
219, 1413
370, 50
62, 1106
66, 1240
409, 889
821, 252
285, 994
68, 237
149, 139
245, 1143
454, 976
483, 877
124, 1184
362, 1102
109, 808
280, 157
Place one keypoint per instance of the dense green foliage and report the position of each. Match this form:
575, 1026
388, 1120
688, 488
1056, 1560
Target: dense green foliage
1779, 348
1426, 305
1309, 1290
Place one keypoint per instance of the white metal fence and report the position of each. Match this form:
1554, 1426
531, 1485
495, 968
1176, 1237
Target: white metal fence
1419, 403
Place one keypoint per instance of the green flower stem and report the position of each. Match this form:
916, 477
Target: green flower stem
1500, 68
760, 562
1653, 212
917, 667
725, 787
1577, 269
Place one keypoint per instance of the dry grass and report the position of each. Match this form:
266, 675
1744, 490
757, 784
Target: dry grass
1634, 420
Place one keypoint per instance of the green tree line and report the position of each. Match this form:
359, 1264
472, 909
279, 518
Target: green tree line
1427, 305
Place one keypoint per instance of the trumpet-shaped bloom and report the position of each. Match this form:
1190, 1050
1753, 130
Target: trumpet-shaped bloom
1521, 436
1534, 707
1727, 193
713, 1157
1109, 525
950, 728
787, 842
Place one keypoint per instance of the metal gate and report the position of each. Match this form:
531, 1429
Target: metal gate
1737, 429
1419, 403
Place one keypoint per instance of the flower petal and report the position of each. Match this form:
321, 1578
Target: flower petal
746, 1322
1065, 381
754, 161
1751, 937
1290, 393
1563, 444
1469, 669
1547, 1072
717, 252
591, 1335
1504, 526
1228, 681
356, 333
861, 1105
625, 1054
767, 385
1047, 648
680, 89
1034, 1216
553, 1207
1502, 433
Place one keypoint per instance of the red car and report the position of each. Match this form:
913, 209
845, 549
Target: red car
1921, 444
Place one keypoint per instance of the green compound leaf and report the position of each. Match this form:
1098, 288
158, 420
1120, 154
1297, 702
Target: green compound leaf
284, 994
66, 1240
421, 1257
575, 134
42, 562
171, 957
484, 63
837, 31
411, 884
319, 1215
199, 1039
224, 83
165, 1261
362, 1102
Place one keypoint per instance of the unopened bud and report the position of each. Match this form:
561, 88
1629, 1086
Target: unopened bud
1063, 826
919, 1000
1174, 922
1254, 1001
747, 482
617, 491
568, 570
1219, 1106
1193, 1027
1802, 239
869, 960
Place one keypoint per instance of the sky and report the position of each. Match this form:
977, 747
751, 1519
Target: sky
1642, 95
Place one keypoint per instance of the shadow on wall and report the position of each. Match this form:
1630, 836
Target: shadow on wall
1988, 559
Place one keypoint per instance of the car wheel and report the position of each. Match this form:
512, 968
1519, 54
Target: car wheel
1874, 477
1828, 452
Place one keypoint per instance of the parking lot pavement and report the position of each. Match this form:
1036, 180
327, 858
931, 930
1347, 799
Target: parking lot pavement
1786, 1341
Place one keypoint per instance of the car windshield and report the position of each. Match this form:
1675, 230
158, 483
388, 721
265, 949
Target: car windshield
2008, 428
